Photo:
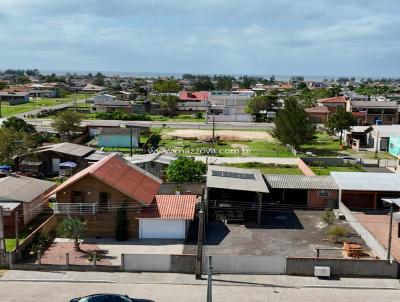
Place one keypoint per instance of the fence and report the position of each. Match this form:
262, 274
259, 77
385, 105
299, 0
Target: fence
343, 267
368, 238
222, 264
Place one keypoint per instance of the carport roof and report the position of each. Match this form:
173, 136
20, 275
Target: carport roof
361, 181
230, 178
289, 181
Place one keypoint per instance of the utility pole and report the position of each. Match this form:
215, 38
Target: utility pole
209, 280
2, 239
390, 231
200, 238
130, 141
213, 129
17, 233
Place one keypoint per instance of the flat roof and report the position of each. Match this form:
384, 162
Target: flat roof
221, 177
290, 181
361, 181
374, 104
23, 188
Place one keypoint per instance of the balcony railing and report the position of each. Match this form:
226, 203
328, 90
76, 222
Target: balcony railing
75, 208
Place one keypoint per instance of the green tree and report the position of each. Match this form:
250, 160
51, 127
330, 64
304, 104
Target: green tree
168, 102
185, 169
99, 79
73, 228
18, 124
339, 121
121, 232
293, 125
167, 86
203, 84
14, 143
67, 122
3, 85
266, 102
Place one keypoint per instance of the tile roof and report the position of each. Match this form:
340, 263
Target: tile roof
257, 184
361, 181
335, 99
171, 207
121, 175
289, 181
23, 188
194, 96
318, 109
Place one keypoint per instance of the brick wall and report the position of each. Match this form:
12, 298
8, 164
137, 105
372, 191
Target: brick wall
317, 201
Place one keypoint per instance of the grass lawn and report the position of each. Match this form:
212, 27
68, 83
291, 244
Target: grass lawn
7, 110
369, 154
323, 145
269, 168
327, 170
27, 230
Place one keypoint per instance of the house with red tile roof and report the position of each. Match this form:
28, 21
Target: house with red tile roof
333, 102
319, 114
195, 96
96, 192
169, 216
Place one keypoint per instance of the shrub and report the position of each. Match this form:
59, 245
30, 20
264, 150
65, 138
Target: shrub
337, 231
328, 217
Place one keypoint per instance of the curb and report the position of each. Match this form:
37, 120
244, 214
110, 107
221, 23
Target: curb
57, 280
351, 287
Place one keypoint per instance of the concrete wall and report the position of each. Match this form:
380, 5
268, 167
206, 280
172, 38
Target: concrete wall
343, 267
328, 161
224, 264
229, 118
368, 238
192, 188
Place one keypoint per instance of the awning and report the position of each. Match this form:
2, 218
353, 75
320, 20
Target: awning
68, 164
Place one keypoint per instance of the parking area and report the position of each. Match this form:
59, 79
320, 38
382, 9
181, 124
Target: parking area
287, 233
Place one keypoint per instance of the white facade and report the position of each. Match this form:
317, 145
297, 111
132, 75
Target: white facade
163, 228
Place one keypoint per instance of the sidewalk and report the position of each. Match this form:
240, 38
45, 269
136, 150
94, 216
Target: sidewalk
282, 281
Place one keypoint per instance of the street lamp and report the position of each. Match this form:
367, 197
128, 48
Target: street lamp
391, 202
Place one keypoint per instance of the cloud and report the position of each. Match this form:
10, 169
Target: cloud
211, 36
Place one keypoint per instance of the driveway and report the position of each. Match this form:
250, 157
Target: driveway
284, 233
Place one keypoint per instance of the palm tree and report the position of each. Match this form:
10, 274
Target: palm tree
73, 228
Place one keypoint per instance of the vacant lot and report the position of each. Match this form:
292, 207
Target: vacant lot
225, 135
287, 233
269, 168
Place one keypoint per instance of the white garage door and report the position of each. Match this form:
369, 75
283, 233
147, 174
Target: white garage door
162, 228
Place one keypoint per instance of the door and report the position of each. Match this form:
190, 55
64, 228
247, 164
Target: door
162, 228
55, 165
104, 201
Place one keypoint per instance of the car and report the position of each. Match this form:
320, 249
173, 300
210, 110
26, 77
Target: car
352, 160
108, 298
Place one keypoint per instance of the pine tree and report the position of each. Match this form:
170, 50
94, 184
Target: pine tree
339, 121
292, 125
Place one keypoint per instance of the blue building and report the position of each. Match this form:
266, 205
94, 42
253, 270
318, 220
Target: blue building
119, 137
394, 145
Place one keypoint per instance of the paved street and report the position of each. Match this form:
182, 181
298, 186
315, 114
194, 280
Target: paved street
179, 287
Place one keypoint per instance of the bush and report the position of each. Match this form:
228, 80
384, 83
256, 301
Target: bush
123, 115
328, 217
337, 231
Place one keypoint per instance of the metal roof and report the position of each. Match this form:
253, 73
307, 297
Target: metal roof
361, 181
257, 184
171, 207
67, 148
289, 181
374, 104
23, 188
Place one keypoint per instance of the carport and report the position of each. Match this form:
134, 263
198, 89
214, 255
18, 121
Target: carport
234, 193
302, 190
360, 190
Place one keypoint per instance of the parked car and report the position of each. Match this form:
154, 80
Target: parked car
108, 298
352, 160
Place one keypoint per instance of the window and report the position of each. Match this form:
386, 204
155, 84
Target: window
323, 193
77, 196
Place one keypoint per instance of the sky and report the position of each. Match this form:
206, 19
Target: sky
264, 37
